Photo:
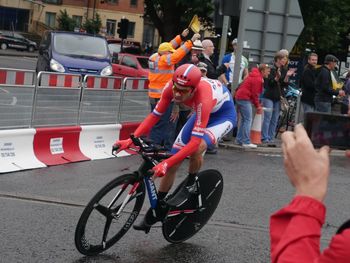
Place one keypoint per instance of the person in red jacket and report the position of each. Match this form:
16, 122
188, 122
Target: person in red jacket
295, 230
247, 94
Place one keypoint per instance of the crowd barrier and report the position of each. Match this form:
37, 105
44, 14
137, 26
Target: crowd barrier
16, 150
22, 149
57, 118
58, 99
17, 89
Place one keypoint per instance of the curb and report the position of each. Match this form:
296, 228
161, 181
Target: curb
259, 149
278, 149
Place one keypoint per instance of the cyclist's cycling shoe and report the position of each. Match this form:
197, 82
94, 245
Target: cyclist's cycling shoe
152, 216
147, 222
185, 193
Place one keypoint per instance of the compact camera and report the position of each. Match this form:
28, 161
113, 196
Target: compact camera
328, 129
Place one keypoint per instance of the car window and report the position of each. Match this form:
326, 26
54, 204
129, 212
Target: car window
129, 62
18, 35
7, 33
114, 48
80, 45
143, 62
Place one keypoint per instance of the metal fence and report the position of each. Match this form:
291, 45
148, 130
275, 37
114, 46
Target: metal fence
17, 88
58, 99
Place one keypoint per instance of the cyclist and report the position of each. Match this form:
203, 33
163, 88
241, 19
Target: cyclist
214, 116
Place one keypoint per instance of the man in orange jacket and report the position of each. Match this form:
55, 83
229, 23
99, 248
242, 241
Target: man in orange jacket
161, 70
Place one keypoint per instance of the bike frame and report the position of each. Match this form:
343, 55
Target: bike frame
151, 191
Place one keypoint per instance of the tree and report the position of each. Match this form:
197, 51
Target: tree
65, 22
171, 17
326, 25
93, 26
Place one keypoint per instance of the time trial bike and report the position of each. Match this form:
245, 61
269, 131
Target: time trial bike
114, 209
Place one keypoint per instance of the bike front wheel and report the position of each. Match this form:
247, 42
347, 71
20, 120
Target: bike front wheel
181, 223
109, 214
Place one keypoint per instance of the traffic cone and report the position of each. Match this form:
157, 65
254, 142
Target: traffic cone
255, 131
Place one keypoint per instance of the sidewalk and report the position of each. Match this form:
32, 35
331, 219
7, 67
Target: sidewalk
17, 53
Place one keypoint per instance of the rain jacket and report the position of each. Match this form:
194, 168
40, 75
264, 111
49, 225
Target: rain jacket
251, 87
161, 67
295, 233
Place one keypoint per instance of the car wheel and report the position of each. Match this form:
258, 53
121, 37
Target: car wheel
3, 46
30, 48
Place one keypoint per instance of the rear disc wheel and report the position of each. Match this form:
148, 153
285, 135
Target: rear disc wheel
181, 223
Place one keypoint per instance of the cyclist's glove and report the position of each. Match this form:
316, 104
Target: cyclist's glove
160, 169
123, 144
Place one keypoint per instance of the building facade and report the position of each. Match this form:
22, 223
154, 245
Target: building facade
38, 16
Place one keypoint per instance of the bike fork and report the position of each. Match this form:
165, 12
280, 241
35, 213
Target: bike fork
127, 198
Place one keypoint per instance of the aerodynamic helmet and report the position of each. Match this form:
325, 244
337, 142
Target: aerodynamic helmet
187, 75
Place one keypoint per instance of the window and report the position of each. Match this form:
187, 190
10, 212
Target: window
133, 3
78, 20
131, 29
55, 2
129, 62
110, 25
115, 2
50, 19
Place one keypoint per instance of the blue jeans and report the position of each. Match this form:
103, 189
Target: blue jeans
163, 133
271, 115
323, 106
243, 132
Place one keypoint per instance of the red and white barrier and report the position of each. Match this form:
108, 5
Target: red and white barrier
16, 77
22, 149
96, 140
55, 80
96, 82
16, 150
59, 145
136, 84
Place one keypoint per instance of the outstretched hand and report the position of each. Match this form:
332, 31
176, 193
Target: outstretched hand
195, 37
185, 32
307, 168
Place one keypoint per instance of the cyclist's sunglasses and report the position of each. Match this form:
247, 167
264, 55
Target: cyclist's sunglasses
182, 91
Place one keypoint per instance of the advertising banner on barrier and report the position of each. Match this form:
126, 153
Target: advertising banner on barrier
58, 145
96, 141
16, 150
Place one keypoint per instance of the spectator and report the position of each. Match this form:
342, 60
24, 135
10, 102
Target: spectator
324, 89
213, 72
248, 94
273, 91
227, 78
161, 66
203, 68
307, 83
193, 56
344, 108
295, 230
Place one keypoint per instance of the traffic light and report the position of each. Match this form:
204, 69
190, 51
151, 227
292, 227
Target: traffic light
123, 27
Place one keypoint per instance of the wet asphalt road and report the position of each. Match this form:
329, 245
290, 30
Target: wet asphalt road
40, 208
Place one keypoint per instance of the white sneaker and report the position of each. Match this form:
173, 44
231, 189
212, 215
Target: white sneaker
250, 145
